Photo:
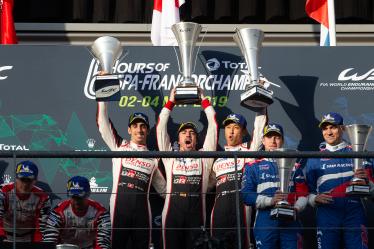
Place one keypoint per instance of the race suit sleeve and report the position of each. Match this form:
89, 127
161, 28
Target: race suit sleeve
212, 180
2, 212
369, 168
258, 128
103, 231
45, 210
300, 188
249, 189
159, 182
52, 228
106, 128
210, 143
311, 181
163, 139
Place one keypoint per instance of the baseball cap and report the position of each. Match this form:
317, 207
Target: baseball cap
27, 169
78, 186
331, 118
138, 116
273, 127
186, 125
235, 118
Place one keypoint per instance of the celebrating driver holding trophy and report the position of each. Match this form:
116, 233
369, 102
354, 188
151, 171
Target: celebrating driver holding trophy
261, 181
186, 178
336, 185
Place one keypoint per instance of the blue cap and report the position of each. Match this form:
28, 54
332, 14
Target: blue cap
235, 118
138, 116
273, 127
331, 118
78, 186
27, 169
186, 125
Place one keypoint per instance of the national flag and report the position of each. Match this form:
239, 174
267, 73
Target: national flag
165, 14
7, 29
323, 11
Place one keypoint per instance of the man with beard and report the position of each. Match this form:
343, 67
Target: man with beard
223, 217
187, 178
129, 204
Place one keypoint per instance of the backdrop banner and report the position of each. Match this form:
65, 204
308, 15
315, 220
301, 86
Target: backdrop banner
47, 100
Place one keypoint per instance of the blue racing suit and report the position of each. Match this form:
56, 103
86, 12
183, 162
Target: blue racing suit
259, 184
332, 176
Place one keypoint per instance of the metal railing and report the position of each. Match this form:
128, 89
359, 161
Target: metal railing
174, 154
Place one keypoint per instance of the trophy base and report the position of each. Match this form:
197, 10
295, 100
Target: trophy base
187, 95
256, 98
107, 88
358, 190
285, 213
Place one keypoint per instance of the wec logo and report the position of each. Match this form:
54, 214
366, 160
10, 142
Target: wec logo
347, 74
4, 68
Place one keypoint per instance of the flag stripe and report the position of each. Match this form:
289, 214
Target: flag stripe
7, 29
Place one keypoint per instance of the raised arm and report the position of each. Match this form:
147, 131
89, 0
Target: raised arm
210, 143
258, 128
106, 128
163, 139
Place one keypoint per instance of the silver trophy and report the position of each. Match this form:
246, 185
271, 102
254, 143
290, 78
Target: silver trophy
186, 34
256, 95
284, 210
107, 50
358, 136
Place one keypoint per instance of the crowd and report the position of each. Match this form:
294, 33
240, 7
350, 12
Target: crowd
79, 220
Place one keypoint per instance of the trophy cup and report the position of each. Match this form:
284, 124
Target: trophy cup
250, 42
107, 50
186, 34
358, 136
283, 210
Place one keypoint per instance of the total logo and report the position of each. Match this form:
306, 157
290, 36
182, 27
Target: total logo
214, 64
13, 147
2, 69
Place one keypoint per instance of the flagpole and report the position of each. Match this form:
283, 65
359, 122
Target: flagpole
331, 15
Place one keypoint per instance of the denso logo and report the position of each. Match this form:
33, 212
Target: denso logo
4, 68
350, 74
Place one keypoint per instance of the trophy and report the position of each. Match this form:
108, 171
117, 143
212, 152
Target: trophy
107, 50
358, 136
186, 34
283, 210
256, 95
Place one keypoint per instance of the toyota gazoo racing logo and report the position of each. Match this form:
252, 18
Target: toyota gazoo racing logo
3, 70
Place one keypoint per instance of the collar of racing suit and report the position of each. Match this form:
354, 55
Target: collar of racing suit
234, 148
138, 146
337, 147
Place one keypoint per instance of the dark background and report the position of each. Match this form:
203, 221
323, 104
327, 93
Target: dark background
202, 11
